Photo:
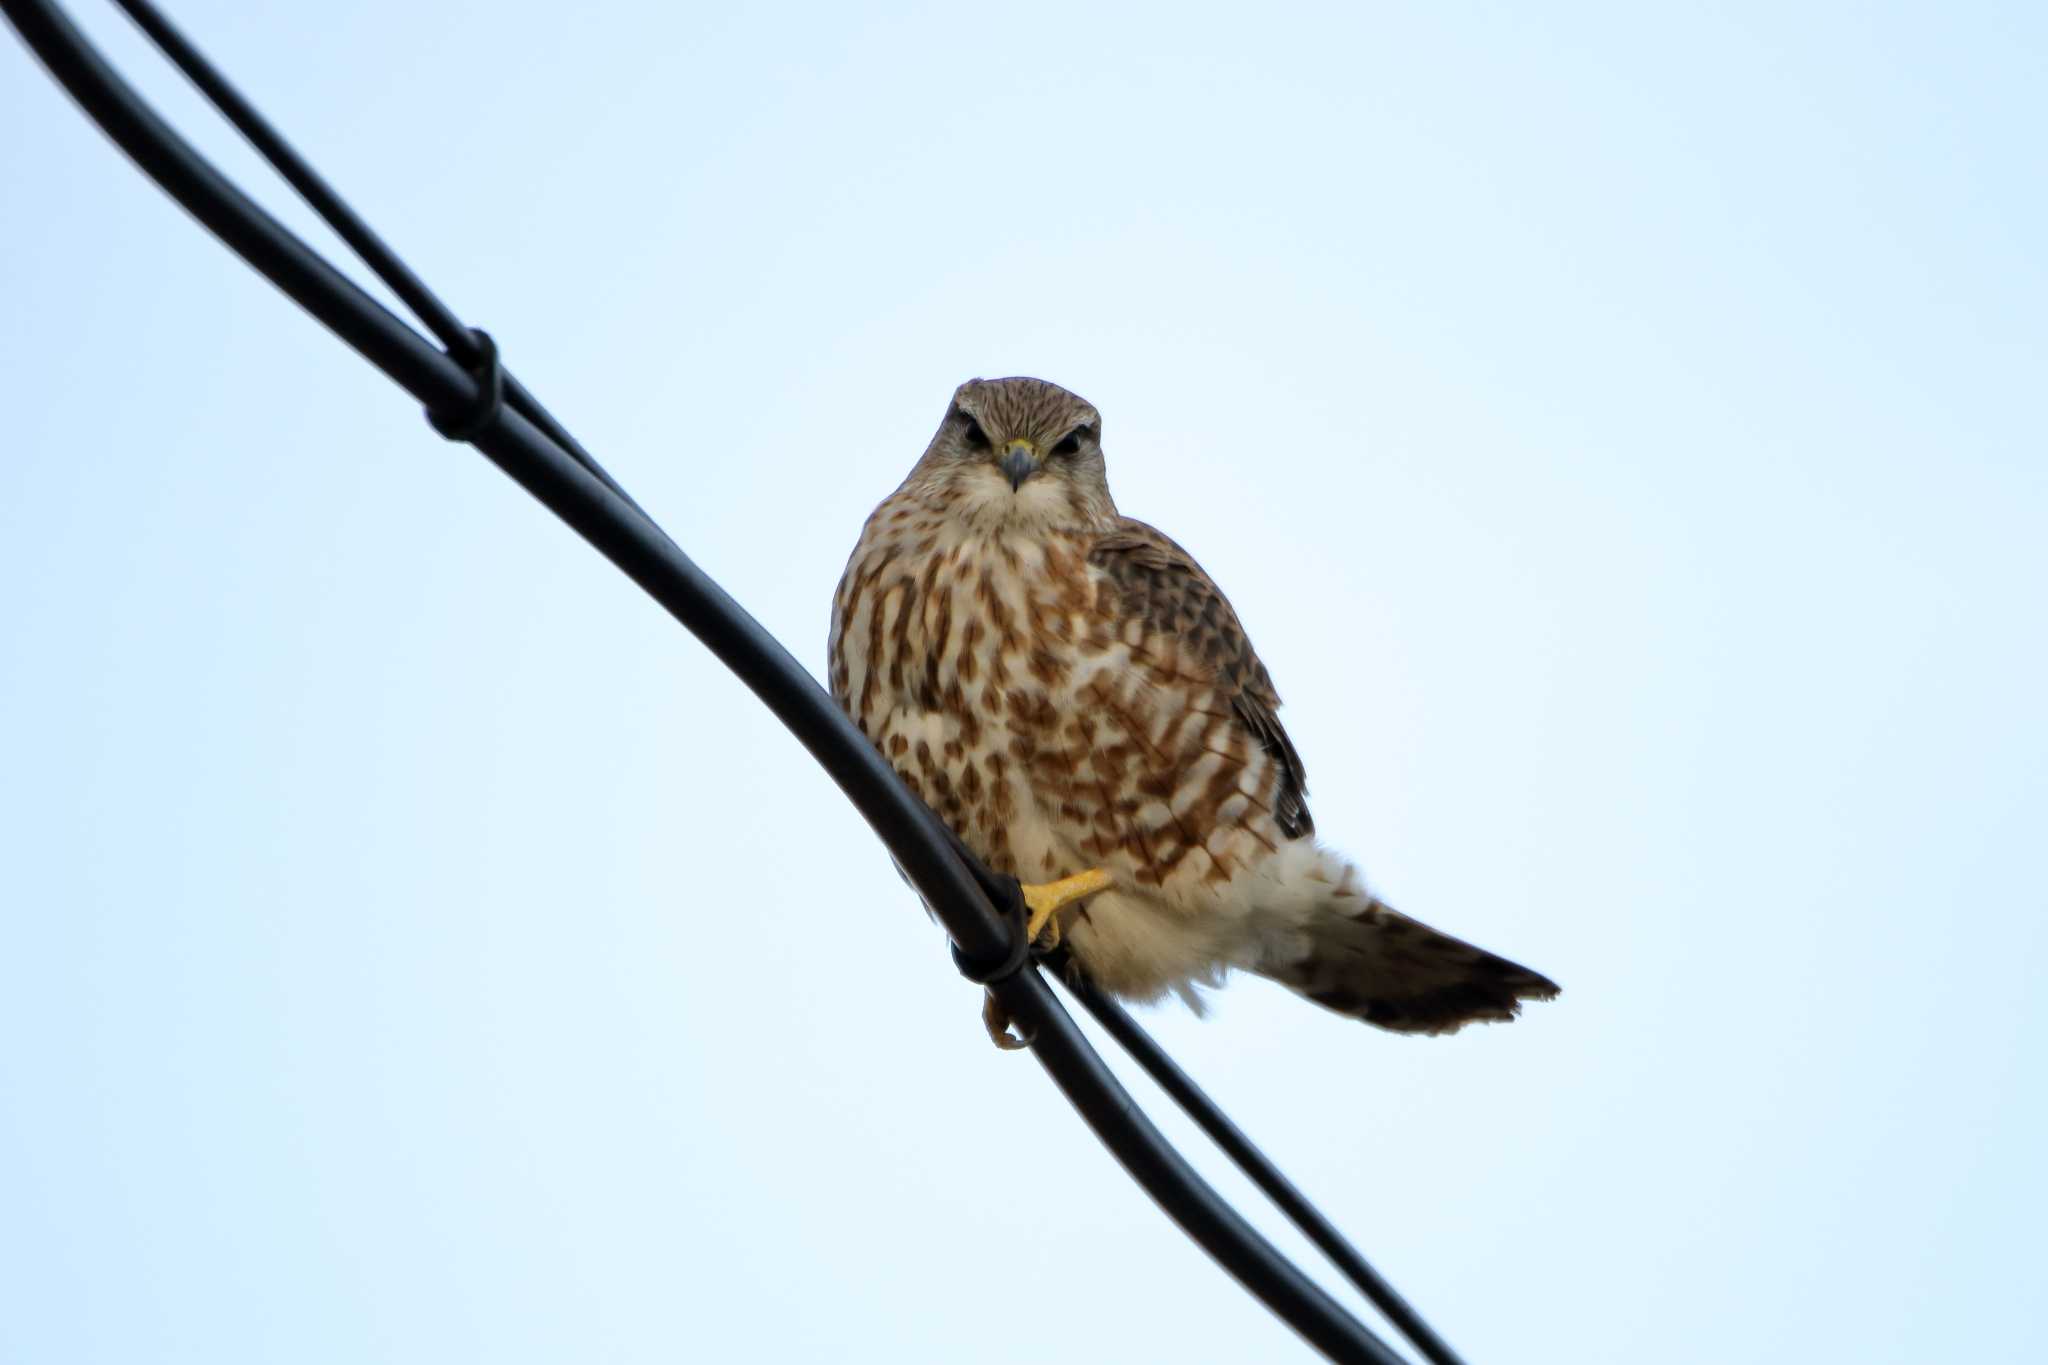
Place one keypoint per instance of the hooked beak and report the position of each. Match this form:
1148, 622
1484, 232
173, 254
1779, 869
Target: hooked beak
1019, 462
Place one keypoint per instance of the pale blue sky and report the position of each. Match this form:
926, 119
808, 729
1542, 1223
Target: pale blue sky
1620, 427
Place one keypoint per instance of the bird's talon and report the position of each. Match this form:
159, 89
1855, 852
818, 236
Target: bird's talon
996, 1020
1049, 937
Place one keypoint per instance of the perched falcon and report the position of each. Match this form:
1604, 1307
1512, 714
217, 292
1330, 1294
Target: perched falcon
1076, 699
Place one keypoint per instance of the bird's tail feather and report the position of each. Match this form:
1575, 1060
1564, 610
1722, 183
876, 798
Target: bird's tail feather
1355, 954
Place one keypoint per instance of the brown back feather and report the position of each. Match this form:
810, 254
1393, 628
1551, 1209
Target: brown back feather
1161, 584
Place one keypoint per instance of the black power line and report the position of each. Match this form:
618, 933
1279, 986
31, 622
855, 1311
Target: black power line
469, 397
1262, 1172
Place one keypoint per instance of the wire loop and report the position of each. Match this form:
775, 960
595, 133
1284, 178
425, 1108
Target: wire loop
990, 972
467, 422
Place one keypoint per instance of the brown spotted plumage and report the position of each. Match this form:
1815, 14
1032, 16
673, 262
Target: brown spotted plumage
1068, 689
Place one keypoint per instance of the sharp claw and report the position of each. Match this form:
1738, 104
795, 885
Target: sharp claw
996, 1020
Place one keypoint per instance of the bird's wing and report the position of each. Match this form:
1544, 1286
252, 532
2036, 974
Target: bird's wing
1161, 585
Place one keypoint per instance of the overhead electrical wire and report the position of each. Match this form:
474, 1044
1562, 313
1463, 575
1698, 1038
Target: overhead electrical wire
468, 396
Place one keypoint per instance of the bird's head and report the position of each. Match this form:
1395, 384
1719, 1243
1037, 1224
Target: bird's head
1019, 452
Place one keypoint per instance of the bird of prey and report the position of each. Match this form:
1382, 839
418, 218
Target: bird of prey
1075, 698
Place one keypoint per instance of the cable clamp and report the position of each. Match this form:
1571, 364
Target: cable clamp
468, 421
1009, 901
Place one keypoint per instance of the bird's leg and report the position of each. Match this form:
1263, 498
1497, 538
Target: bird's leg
1046, 898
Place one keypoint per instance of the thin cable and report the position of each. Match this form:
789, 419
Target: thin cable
1263, 1173
296, 171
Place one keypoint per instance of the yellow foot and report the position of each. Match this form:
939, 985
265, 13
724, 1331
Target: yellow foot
1045, 899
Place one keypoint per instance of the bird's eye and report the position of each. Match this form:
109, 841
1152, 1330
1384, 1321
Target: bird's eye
976, 438
1070, 444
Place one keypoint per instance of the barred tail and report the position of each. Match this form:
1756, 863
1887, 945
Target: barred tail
1365, 959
